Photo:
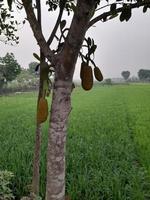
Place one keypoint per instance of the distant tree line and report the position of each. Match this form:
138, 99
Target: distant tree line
143, 75
14, 78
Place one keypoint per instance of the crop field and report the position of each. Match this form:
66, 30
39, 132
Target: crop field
108, 143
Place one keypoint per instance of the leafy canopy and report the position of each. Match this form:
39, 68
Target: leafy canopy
9, 68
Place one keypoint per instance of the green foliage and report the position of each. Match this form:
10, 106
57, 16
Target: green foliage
25, 81
9, 68
32, 67
144, 74
53, 4
27, 78
146, 7
126, 13
7, 25
125, 74
5, 180
107, 157
91, 48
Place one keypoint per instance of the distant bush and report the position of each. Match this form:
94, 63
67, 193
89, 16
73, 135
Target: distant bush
23, 83
108, 81
5, 182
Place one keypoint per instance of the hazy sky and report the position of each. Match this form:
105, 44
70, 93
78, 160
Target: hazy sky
121, 45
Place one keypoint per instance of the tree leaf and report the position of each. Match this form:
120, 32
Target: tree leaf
89, 41
122, 16
126, 13
9, 2
144, 9
36, 56
113, 7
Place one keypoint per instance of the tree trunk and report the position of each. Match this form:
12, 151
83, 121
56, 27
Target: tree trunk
36, 163
61, 107
37, 149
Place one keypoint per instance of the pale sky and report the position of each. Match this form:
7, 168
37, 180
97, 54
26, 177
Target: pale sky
121, 45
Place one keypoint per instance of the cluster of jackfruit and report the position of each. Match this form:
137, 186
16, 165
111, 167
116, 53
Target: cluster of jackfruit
86, 75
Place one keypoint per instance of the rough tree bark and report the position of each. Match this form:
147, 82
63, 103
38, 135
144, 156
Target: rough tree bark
36, 162
61, 107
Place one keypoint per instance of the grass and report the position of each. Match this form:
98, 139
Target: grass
107, 143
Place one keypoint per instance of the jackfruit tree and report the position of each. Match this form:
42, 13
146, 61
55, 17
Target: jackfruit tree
61, 61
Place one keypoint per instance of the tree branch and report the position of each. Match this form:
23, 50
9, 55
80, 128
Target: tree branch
35, 26
118, 10
117, 3
57, 22
38, 5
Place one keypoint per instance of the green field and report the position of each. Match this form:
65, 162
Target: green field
108, 143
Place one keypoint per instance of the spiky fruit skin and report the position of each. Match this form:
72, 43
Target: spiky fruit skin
42, 111
97, 73
87, 78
